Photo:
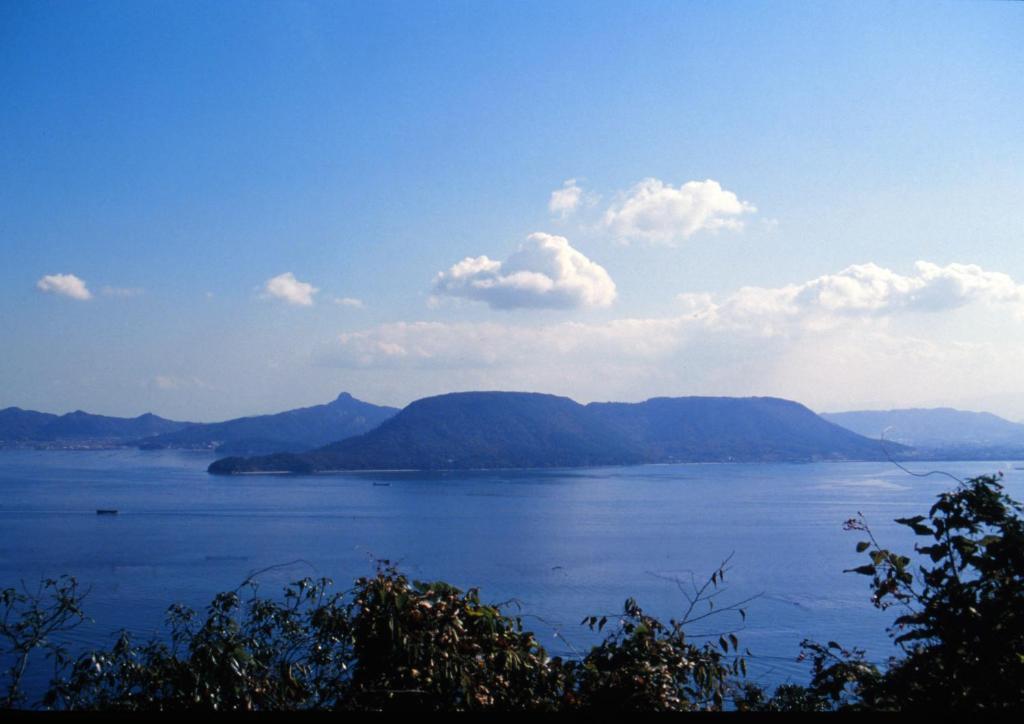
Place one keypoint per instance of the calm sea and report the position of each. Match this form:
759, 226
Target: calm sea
563, 543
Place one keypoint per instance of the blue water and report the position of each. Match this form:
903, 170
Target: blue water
565, 543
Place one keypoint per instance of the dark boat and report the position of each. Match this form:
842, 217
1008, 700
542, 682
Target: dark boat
106, 511
382, 484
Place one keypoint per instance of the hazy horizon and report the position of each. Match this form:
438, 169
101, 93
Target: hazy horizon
219, 210
401, 406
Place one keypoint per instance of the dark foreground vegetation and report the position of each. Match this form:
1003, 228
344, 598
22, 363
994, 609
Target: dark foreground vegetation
390, 643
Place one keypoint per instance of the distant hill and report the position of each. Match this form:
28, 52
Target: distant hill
932, 429
21, 425
80, 424
28, 426
470, 430
294, 430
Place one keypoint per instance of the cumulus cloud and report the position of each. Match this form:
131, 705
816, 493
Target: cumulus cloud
67, 285
863, 337
657, 212
288, 288
546, 272
860, 290
566, 200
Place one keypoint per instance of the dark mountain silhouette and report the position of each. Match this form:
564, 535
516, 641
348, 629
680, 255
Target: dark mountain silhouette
83, 424
18, 424
469, 430
294, 430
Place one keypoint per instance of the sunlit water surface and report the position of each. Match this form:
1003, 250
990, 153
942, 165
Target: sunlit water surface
563, 543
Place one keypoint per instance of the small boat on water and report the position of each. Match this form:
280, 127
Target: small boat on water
382, 485
106, 511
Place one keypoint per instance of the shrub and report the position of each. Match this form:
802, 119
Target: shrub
960, 629
388, 644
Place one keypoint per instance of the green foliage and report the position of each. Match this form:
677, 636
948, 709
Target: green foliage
961, 621
388, 644
647, 665
33, 620
431, 646
258, 654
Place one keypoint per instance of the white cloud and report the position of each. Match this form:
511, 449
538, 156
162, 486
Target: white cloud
863, 337
349, 302
67, 285
545, 272
287, 287
958, 284
566, 200
861, 290
658, 212
490, 344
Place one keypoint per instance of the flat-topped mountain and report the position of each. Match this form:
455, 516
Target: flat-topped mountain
702, 429
295, 430
469, 430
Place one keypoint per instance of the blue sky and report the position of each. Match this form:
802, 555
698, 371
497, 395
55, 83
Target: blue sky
750, 189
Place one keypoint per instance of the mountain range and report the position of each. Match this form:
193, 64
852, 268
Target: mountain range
291, 431
470, 430
19, 426
294, 430
941, 428
518, 429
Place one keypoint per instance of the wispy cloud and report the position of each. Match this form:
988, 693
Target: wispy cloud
566, 200
66, 285
351, 302
545, 272
289, 289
